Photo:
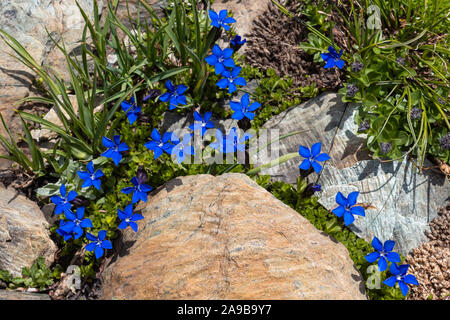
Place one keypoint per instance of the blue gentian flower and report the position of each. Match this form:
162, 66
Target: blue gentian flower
76, 223
115, 147
132, 110
175, 95
231, 80
237, 42
128, 218
98, 243
400, 277
202, 123
63, 202
220, 59
91, 177
66, 235
221, 19
347, 207
183, 148
312, 157
243, 109
332, 58
139, 190
159, 144
382, 253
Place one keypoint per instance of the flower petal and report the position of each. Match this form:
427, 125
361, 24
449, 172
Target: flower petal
90, 246
352, 197
98, 252
305, 165
107, 143
106, 244
382, 264
388, 245
393, 257
211, 60
322, 157
341, 200
358, 210
304, 152
376, 244
315, 149
403, 287
348, 218
409, 278
372, 257
102, 234
339, 211
316, 166
391, 281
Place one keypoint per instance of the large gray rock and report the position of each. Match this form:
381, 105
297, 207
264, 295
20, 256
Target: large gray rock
320, 118
405, 200
225, 237
24, 234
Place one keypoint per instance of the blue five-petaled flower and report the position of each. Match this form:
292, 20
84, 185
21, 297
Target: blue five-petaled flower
139, 190
231, 80
115, 147
400, 277
332, 58
63, 202
244, 108
220, 59
91, 177
221, 19
132, 110
76, 223
382, 253
174, 95
347, 207
66, 235
160, 144
128, 218
312, 157
98, 243
202, 123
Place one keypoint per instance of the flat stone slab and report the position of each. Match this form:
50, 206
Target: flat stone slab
405, 200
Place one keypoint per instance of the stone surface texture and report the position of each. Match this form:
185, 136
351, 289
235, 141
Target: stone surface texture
225, 237
405, 200
24, 234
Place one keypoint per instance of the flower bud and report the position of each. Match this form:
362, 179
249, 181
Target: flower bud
79, 201
141, 175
